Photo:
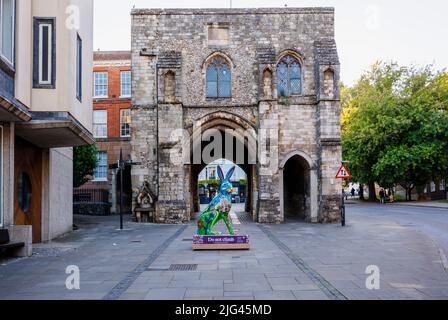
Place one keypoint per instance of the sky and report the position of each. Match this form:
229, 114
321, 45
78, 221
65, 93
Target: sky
405, 31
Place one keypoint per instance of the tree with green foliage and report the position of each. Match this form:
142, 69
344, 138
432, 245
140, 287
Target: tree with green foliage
421, 155
395, 127
84, 164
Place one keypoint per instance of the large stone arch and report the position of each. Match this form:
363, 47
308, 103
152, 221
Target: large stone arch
244, 132
311, 172
221, 120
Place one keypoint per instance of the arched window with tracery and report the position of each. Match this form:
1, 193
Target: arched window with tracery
218, 78
289, 76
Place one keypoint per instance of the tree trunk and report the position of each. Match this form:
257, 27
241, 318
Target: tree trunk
372, 192
361, 192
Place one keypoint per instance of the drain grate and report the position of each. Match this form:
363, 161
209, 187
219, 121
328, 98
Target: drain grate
183, 267
187, 239
244, 217
177, 267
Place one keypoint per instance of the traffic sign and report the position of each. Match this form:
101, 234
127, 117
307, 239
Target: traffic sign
343, 173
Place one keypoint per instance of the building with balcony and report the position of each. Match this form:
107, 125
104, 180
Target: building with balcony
45, 110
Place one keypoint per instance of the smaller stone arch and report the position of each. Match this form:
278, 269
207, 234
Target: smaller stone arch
301, 154
169, 82
295, 53
217, 54
300, 162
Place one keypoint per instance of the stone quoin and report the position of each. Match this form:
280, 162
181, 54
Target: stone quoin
271, 72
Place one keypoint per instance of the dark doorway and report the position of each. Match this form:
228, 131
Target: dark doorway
296, 188
249, 170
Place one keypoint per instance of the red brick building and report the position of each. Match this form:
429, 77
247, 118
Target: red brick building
111, 123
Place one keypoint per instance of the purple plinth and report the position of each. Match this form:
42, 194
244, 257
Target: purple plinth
224, 239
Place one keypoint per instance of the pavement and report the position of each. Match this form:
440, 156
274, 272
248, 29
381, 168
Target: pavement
427, 204
443, 204
291, 261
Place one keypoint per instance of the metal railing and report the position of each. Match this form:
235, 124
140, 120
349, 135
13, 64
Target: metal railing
94, 196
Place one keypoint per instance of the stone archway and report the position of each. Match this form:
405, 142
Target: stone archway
298, 187
243, 136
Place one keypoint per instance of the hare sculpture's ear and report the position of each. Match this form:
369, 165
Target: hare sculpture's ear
220, 174
230, 173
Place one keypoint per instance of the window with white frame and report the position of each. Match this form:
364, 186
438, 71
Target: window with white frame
100, 123
44, 53
100, 172
125, 84
125, 123
7, 25
101, 84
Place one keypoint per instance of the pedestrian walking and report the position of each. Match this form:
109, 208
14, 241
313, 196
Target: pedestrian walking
353, 192
382, 196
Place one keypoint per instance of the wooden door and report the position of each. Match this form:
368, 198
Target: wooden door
28, 187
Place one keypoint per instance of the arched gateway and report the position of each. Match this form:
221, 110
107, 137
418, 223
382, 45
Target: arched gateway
271, 106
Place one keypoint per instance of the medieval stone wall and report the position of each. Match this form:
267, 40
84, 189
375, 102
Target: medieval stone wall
170, 52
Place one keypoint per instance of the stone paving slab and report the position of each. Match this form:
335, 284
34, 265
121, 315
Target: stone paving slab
290, 261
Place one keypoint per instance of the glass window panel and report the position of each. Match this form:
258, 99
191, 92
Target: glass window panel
125, 83
224, 74
212, 89
295, 86
45, 53
295, 71
101, 84
125, 123
79, 68
212, 73
100, 123
282, 78
224, 89
100, 172
7, 25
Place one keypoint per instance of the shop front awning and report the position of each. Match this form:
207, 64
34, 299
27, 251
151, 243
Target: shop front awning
54, 130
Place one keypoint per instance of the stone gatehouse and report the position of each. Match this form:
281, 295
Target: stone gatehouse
268, 76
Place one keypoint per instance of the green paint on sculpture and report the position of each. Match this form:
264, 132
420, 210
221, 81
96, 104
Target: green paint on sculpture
219, 208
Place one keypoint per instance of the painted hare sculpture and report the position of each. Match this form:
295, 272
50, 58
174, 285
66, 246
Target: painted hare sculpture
219, 208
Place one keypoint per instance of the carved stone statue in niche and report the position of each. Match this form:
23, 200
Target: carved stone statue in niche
145, 204
267, 84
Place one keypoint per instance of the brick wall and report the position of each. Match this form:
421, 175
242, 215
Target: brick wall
113, 63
